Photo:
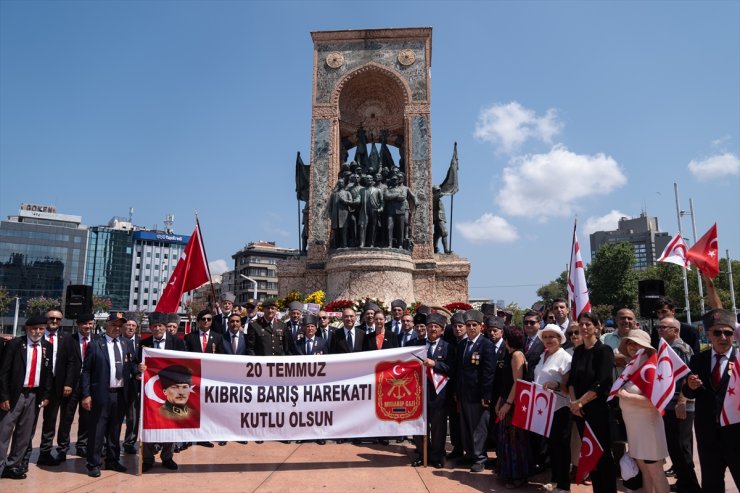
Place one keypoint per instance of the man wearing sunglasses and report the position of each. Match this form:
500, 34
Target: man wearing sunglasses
718, 446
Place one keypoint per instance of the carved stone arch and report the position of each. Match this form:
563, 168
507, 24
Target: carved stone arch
374, 97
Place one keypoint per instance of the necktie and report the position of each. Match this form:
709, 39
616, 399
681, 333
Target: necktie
467, 348
350, 342
204, 342
119, 360
309, 346
51, 339
158, 342
529, 343
84, 347
234, 341
430, 351
716, 375
34, 361
396, 327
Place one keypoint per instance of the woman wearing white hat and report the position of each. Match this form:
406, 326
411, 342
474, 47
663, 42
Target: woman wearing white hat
645, 431
552, 373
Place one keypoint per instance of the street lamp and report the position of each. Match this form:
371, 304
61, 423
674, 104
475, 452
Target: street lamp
254, 284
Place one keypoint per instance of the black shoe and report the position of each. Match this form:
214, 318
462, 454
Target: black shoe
454, 454
61, 457
243, 443
94, 472
178, 448
129, 449
206, 444
417, 463
46, 459
115, 466
221, 444
674, 487
82, 452
170, 464
146, 466
477, 467
13, 474
383, 441
438, 465
321, 442
259, 442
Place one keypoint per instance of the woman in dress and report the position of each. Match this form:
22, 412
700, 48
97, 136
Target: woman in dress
552, 373
645, 432
379, 339
573, 334
512, 449
588, 385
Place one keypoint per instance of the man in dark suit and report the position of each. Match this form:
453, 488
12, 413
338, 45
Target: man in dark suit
203, 340
398, 308
295, 316
407, 336
367, 324
268, 336
160, 340
324, 330
718, 446
347, 339
226, 304
533, 346
475, 367
440, 361
131, 331
25, 385
234, 341
495, 332
50, 412
109, 374
311, 343
69, 386
457, 336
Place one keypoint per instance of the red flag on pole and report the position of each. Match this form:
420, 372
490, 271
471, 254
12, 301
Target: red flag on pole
704, 254
534, 408
577, 289
591, 452
190, 272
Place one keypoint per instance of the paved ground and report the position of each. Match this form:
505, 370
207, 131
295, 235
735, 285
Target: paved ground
275, 467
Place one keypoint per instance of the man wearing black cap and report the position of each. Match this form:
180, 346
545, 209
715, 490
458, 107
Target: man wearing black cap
311, 343
131, 332
267, 336
220, 321
398, 308
439, 362
160, 339
718, 446
109, 374
203, 340
475, 389
69, 386
367, 324
173, 324
495, 332
420, 327
25, 385
456, 336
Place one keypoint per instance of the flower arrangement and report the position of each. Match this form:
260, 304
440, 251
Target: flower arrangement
289, 298
339, 305
361, 302
317, 297
457, 306
40, 305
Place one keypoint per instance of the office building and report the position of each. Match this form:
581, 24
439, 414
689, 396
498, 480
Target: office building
641, 232
257, 261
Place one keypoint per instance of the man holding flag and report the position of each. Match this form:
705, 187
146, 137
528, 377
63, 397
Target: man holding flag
709, 383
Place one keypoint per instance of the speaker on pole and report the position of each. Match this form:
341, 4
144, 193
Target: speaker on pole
79, 300
649, 291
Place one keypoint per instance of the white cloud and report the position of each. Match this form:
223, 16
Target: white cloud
488, 229
508, 126
608, 222
715, 167
550, 185
218, 266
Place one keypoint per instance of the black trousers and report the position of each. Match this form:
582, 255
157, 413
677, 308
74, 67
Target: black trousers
455, 431
105, 420
67, 409
436, 433
719, 448
132, 422
680, 439
604, 476
558, 446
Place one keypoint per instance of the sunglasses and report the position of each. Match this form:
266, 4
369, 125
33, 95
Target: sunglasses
720, 333
207, 319
54, 319
324, 318
663, 327
531, 322
572, 333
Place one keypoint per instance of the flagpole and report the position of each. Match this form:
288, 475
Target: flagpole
571, 302
698, 278
685, 277
205, 256
732, 285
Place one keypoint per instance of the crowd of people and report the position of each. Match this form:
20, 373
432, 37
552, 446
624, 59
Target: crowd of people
481, 352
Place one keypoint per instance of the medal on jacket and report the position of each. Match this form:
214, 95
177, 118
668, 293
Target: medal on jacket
475, 359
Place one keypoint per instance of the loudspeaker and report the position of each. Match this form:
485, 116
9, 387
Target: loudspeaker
79, 300
649, 291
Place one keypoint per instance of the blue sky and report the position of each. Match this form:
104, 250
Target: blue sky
559, 109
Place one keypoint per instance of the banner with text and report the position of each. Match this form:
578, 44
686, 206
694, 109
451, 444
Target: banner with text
198, 397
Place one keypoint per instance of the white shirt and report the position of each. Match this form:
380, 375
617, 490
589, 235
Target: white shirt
47, 334
553, 368
722, 363
161, 343
82, 345
114, 382
29, 360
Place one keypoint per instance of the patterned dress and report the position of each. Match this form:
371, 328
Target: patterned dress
512, 450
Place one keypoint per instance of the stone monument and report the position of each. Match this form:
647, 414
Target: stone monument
370, 222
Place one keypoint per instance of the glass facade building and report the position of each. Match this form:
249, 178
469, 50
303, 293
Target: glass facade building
109, 255
41, 253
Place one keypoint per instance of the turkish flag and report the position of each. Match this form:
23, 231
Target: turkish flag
190, 272
731, 406
705, 253
591, 452
534, 407
644, 375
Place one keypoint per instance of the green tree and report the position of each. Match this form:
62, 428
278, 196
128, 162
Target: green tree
611, 278
5, 300
554, 289
40, 305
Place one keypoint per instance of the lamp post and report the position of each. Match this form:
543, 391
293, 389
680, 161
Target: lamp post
254, 285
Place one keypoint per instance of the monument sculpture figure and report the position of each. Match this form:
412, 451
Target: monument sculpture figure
440, 221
